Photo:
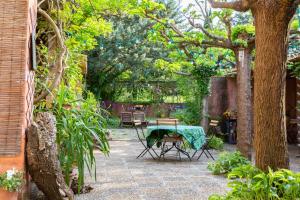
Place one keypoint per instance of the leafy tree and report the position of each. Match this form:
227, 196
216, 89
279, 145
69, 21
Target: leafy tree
124, 55
228, 35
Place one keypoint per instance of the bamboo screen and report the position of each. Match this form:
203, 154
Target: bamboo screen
15, 76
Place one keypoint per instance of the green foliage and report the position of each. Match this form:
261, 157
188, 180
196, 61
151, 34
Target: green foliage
11, 180
80, 129
216, 143
122, 63
295, 24
295, 68
241, 32
186, 117
113, 122
86, 19
226, 162
150, 5
131, 64
252, 184
80, 125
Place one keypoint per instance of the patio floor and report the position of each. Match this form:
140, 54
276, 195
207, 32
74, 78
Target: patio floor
122, 177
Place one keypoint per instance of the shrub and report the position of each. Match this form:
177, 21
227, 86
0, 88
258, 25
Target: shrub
226, 162
251, 183
113, 122
80, 128
216, 143
186, 117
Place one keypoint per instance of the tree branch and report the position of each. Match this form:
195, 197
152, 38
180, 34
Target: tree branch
183, 73
228, 27
205, 15
172, 26
59, 63
208, 34
240, 5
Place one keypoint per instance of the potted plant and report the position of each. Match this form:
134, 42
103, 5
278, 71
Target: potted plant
11, 183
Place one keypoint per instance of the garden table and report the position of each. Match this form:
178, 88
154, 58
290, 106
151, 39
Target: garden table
194, 135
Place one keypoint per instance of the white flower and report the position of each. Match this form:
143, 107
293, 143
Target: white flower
10, 174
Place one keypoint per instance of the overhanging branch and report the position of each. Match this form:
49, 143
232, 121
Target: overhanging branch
240, 5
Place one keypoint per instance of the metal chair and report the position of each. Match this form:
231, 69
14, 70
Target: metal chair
141, 136
126, 119
215, 129
205, 149
175, 139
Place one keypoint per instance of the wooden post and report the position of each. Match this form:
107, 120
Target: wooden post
244, 102
204, 120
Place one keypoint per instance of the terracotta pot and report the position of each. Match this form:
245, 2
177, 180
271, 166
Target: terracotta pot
8, 195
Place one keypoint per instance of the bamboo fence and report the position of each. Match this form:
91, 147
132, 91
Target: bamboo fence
16, 79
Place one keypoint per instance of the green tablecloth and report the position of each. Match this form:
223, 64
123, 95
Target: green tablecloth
194, 135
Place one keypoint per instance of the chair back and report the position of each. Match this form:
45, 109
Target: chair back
214, 123
136, 125
168, 121
139, 116
126, 117
214, 126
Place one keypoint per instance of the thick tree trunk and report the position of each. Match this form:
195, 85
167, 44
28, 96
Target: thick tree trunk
244, 101
271, 22
43, 164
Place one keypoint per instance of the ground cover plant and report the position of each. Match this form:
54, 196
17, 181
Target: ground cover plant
216, 143
249, 183
226, 162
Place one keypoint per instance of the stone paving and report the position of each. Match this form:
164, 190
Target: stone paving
123, 177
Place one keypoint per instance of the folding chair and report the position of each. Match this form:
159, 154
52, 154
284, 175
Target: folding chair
174, 139
205, 149
141, 136
140, 116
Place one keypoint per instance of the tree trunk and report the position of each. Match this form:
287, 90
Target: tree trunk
271, 22
244, 101
43, 164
